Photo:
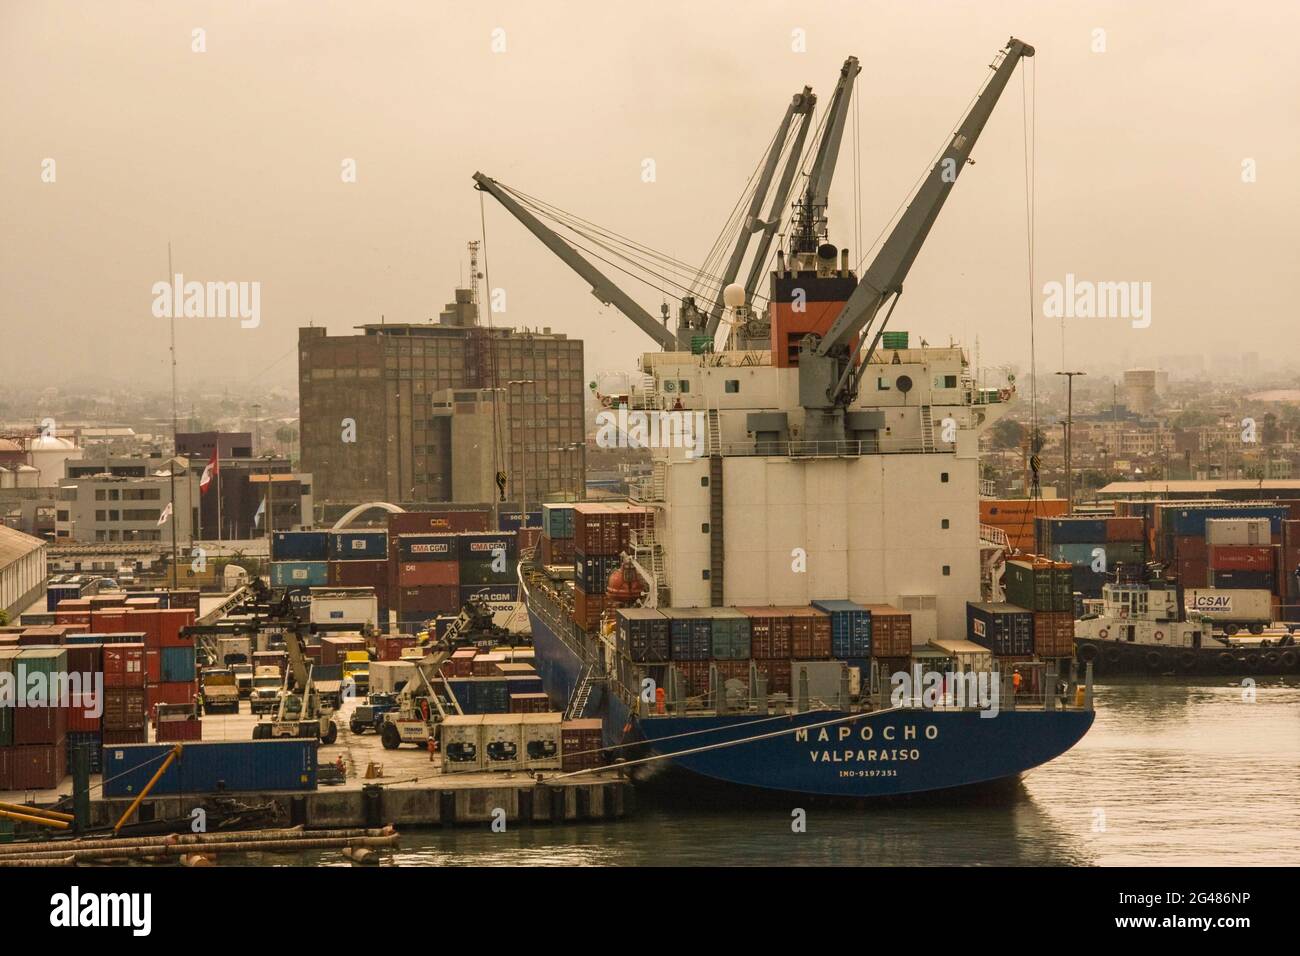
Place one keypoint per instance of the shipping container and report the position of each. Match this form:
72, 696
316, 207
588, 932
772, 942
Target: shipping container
1243, 532
39, 766
769, 629
430, 522
427, 547
372, 574
8, 659
489, 593
587, 609
1242, 580
891, 632
1002, 628
850, 628
124, 665
644, 635
1234, 557
357, 545
6, 769
426, 601
514, 520
411, 574
581, 743
124, 709
178, 664
460, 740
211, 767
300, 546
607, 528
690, 633
334, 649
502, 739
537, 703
1053, 634
1191, 520
299, 574
557, 520
558, 551
541, 740
591, 571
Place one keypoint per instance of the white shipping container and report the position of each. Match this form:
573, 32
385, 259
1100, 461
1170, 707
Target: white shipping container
461, 741
385, 676
1245, 606
355, 606
541, 740
1237, 531
500, 741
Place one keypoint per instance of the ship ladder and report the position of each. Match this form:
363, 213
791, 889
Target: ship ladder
927, 430
582, 694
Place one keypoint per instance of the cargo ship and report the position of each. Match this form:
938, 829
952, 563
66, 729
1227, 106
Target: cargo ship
808, 535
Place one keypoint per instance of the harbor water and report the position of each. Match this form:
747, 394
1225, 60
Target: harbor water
1170, 774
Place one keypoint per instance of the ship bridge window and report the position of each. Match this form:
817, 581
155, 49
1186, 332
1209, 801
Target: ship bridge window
733, 385
943, 477
944, 524
684, 386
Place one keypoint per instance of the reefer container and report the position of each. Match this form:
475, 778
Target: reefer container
501, 740
355, 606
312, 574
209, 767
461, 743
541, 740
1005, 629
644, 635
850, 628
298, 546
1231, 531
358, 545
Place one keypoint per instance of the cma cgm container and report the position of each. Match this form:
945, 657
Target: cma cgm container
358, 545
300, 546
209, 767
313, 574
1005, 629
427, 547
644, 635
850, 628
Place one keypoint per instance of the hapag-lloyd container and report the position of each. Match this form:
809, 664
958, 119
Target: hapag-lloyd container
210, 767
1231, 557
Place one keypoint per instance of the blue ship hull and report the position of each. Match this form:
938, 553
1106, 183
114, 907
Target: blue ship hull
827, 753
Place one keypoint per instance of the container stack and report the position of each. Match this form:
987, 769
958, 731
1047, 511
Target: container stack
1016, 517
300, 559
557, 546
1044, 588
425, 575
601, 533
1241, 554
359, 559
1092, 546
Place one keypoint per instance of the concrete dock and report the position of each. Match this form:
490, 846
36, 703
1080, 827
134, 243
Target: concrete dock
411, 792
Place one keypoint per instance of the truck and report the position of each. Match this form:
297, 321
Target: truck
220, 691
265, 695
243, 679
1231, 610
356, 667
235, 649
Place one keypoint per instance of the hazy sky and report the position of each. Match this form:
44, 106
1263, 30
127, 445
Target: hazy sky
235, 155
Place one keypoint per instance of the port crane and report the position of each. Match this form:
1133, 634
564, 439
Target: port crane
828, 376
692, 320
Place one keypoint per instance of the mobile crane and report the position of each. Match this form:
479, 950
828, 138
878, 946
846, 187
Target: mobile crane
420, 706
301, 712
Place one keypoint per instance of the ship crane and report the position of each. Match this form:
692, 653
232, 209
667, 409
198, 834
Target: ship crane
828, 378
809, 224
801, 106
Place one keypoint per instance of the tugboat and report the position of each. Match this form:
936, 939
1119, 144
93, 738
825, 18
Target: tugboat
1143, 629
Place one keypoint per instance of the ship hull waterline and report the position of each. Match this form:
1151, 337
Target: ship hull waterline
825, 753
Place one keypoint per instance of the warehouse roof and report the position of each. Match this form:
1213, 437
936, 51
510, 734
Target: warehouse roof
15, 545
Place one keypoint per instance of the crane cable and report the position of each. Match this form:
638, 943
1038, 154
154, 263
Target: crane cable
498, 451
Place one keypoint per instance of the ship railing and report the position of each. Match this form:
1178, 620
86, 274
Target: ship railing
826, 449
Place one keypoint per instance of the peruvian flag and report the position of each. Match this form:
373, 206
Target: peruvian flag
208, 472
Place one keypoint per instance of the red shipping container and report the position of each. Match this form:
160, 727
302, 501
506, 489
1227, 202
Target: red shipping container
124, 665
1241, 558
810, 634
152, 665
891, 631
81, 618
778, 675
1125, 529
170, 622
74, 604
428, 573
169, 731
359, 574
40, 725
112, 621
124, 709
85, 658
587, 609
6, 768
143, 603
40, 636
175, 692
424, 522
557, 551
39, 767
529, 704
461, 664
392, 645
1054, 634
334, 650
428, 600
83, 718
145, 622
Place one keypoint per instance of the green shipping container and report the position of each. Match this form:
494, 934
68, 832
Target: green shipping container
1029, 587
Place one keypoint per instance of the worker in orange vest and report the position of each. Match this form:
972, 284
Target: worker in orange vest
1015, 681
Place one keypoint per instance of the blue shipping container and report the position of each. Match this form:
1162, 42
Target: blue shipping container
177, 664
132, 637
300, 546
299, 574
850, 628
1191, 521
358, 545
1076, 530
209, 767
692, 638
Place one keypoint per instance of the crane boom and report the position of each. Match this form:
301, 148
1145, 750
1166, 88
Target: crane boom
799, 103
825, 369
810, 216
884, 277
601, 287
780, 198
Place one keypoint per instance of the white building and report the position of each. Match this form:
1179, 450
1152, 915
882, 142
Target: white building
22, 570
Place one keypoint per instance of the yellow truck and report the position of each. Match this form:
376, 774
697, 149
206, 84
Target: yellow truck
356, 666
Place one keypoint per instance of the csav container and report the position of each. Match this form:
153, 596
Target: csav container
357, 545
212, 767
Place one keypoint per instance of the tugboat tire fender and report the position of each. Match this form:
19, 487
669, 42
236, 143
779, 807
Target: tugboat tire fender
1088, 653
1288, 659
1187, 660
1154, 660
1225, 661
1271, 659
1104, 633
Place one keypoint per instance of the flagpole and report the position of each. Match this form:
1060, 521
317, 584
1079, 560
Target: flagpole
171, 470
218, 453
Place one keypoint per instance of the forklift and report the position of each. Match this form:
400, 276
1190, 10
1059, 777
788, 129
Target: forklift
420, 705
302, 712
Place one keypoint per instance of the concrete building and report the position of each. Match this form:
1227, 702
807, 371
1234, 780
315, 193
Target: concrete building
22, 571
379, 410
106, 508
1140, 390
